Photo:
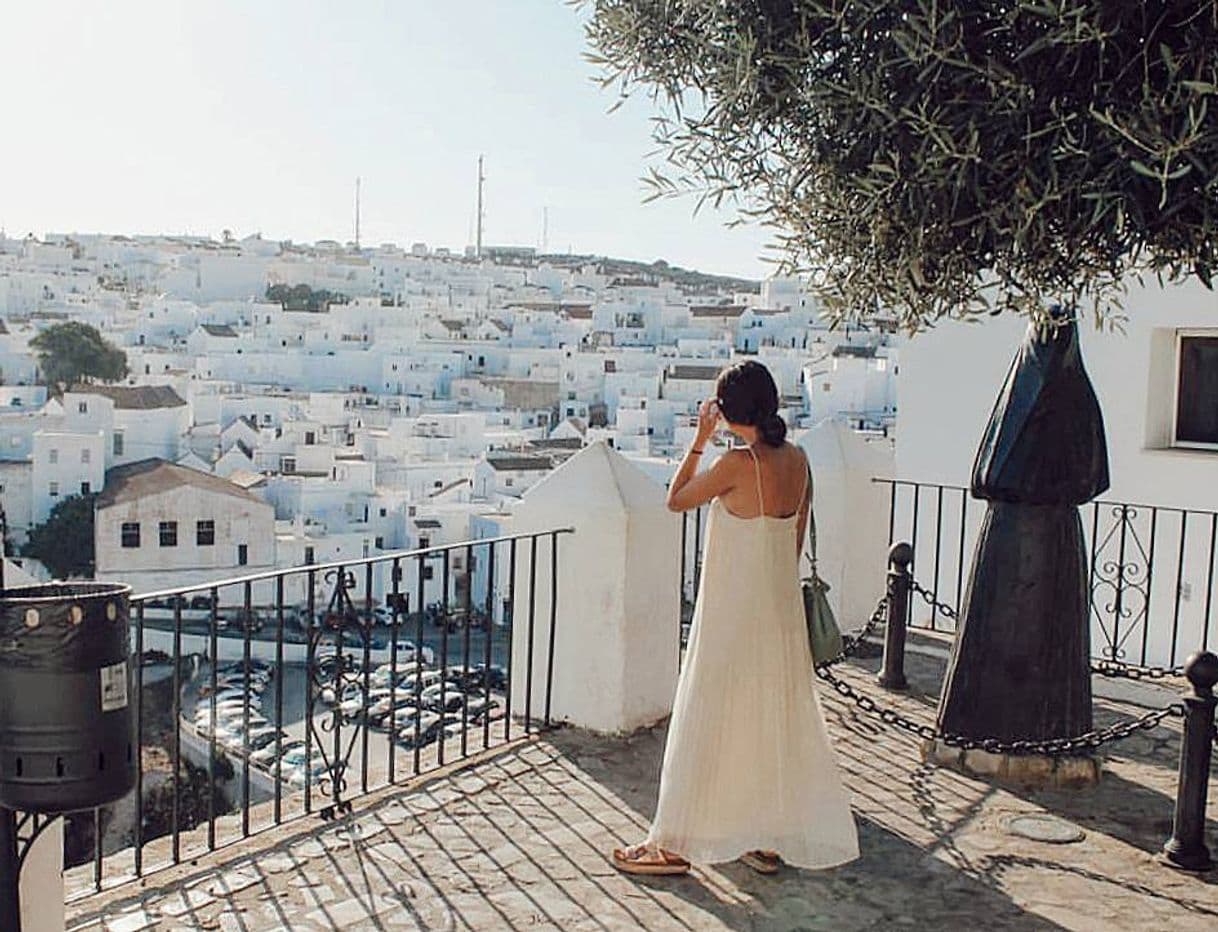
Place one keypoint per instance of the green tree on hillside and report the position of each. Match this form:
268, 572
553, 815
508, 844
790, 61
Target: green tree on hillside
75, 352
64, 542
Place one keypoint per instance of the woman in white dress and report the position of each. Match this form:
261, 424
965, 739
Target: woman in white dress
748, 772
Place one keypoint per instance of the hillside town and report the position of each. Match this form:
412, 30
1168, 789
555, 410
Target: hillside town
293, 404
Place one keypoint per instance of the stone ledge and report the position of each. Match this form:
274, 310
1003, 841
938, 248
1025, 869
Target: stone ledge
1034, 771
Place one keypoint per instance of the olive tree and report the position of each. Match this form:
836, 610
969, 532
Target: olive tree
939, 158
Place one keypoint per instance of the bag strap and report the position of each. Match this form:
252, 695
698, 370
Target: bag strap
810, 552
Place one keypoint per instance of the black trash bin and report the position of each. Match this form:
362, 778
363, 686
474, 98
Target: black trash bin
67, 728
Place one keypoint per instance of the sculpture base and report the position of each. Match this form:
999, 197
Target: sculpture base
1026, 770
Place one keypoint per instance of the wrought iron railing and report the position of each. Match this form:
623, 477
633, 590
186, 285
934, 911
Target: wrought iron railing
1151, 568
280, 694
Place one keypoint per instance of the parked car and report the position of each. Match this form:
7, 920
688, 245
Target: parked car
350, 689
265, 755
296, 756
404, 716
297, 778
477, 707
384, 674
408, 740
265, 736
406, 650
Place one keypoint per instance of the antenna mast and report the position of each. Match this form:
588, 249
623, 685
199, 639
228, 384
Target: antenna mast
478, 240
357, 213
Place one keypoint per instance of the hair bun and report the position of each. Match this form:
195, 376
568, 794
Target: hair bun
773, 429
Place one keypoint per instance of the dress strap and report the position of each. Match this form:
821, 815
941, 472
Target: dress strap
757, 470
807, 479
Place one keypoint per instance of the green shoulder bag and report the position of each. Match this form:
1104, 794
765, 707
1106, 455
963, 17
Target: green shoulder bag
824, 636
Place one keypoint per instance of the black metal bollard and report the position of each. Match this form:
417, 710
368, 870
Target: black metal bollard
1186, 848
892, 676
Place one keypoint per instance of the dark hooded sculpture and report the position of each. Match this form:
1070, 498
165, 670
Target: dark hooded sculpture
1020, 666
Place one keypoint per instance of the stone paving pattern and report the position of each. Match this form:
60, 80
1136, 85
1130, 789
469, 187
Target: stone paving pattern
519, 840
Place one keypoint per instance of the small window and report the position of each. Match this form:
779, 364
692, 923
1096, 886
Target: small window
424, 543
118, 443
380, 543
82, 407
53, 456
205, 533
310, 438
509, 481
243, 554
383, 512
85, 455
309, 556
169, 533
54, 489
1196, 415
131, 534
287, 465
428, 572
85, 488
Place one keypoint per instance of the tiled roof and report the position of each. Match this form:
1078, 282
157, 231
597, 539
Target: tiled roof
705, 373
525, 394
219, 330
135, 397
520, 463
716, 310
246, 479
860, 352
148, 477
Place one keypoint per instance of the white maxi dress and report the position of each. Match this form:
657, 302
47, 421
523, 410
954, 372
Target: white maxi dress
747, 763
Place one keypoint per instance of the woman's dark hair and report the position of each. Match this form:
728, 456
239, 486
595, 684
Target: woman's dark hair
747, 395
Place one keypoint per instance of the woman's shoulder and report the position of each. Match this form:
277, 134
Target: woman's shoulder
795, 452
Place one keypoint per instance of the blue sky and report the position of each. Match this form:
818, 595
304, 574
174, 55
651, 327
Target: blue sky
167, 116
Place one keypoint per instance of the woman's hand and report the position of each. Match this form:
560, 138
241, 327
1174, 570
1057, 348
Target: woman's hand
708, 420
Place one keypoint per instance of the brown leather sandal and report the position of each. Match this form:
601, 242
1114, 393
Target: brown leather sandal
764, 862
640, 859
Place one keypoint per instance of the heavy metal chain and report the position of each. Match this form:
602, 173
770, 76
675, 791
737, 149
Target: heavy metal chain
852, 641
1049, 747
928, 597
1109, 668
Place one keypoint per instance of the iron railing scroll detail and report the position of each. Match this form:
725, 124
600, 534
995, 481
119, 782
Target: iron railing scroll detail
265, 696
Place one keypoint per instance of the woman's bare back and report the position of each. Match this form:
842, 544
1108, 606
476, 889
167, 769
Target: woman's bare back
782, 482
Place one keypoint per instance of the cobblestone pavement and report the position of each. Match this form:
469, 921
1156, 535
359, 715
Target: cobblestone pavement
519, 841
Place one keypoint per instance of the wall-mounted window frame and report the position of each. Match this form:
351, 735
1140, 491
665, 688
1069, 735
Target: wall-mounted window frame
1188, 436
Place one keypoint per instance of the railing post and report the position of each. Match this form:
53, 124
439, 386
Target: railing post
892, 676
1186, 848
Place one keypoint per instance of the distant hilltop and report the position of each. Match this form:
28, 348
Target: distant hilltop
629, 271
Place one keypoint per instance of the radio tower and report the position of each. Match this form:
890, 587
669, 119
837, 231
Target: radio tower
478, 235
357, 213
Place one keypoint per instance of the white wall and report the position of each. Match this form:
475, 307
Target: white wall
618, 609
950, 378
150, 566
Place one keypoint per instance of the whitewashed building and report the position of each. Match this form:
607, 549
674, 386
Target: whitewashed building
159, 525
